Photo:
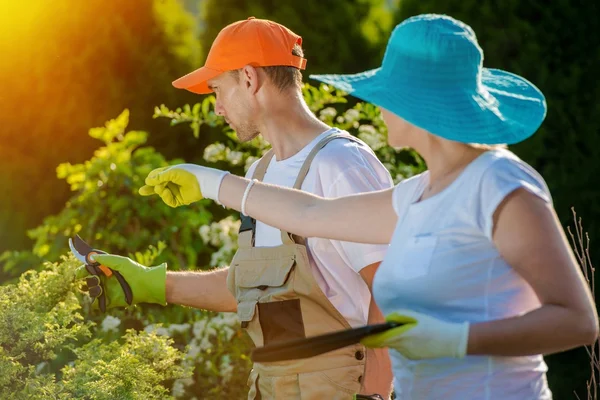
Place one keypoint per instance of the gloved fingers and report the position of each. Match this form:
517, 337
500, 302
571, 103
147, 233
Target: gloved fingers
166, 194
146, 190
162, 175
112, 261
382, 339
151, 178
125, 286
402, 316
175, 190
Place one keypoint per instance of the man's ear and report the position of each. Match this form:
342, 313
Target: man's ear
251, 78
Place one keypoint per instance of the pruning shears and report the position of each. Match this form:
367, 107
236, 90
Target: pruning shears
85, 253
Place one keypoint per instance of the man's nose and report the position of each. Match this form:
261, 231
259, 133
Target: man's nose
219, 110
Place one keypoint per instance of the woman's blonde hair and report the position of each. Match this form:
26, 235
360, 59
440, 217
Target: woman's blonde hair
487, 146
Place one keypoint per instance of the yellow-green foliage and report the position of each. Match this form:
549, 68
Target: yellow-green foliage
40, 317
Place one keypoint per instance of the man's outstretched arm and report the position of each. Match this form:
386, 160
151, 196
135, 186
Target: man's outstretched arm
201, 289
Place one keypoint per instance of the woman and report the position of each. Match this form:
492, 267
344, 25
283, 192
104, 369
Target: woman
478, 266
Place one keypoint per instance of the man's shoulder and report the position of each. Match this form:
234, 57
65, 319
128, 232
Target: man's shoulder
347, 152
346, 166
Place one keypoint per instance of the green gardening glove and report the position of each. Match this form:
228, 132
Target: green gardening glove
422, 336
183, 184
148, 284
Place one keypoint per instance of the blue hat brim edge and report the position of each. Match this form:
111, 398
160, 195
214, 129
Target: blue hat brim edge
373, 87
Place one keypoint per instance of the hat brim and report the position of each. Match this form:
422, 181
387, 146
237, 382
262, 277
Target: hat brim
504, 109
196, 81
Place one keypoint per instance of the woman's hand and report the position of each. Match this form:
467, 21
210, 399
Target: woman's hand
183, 184
422, 336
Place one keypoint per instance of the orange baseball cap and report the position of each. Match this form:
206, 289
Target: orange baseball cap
256, 42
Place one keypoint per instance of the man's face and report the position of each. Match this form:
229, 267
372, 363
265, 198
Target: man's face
235, 104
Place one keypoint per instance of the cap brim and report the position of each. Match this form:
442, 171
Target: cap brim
196, 81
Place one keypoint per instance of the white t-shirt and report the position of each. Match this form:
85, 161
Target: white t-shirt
442, 262
341, 168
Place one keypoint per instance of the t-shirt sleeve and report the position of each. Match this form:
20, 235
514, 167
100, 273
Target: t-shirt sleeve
251, 170
501, 179
404, 193
364, 175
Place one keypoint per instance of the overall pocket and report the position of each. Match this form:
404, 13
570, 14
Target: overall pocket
259, 278
281, 321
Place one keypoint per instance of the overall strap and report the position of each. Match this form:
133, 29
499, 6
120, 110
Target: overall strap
286, 237
248, 225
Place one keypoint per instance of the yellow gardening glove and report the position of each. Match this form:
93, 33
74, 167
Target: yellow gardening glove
422, 336
183, 184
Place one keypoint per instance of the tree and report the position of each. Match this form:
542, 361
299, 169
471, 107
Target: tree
68, 65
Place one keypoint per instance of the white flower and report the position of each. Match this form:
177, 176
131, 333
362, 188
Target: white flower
178, 389
199, 328
194, 349
225, 369
367, 129
158, 330
205, 343
205, 233
211, 331
110, 323
230, 318
235, 157
328, 112
178, 328
371, 136
214, 152
228, 332
179, 386
351, 115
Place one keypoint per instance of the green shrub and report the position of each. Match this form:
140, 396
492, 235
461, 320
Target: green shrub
40, 318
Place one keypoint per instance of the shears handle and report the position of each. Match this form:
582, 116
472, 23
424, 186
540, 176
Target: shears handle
109, 272
125, 286
105, 270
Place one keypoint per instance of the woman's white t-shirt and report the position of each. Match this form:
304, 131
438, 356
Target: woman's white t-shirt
442, 262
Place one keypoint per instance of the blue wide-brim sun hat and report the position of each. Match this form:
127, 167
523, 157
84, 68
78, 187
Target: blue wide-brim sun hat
432, 76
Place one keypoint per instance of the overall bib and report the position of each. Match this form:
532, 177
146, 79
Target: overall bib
278, 300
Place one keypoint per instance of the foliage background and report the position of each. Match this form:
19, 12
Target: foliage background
68, 66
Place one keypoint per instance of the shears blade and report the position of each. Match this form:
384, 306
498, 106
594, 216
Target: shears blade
76, 253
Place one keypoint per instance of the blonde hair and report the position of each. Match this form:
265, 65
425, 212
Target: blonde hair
487, 146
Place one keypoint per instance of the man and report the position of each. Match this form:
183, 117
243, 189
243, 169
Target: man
281, 286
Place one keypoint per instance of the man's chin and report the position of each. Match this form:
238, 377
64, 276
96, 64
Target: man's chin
243, 138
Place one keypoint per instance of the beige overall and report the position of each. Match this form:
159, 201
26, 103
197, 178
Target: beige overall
279, 299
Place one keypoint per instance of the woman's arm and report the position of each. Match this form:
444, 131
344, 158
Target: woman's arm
365, 218
529, 237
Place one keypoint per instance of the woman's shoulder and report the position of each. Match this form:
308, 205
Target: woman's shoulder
412, 182
407, 190
505, 168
